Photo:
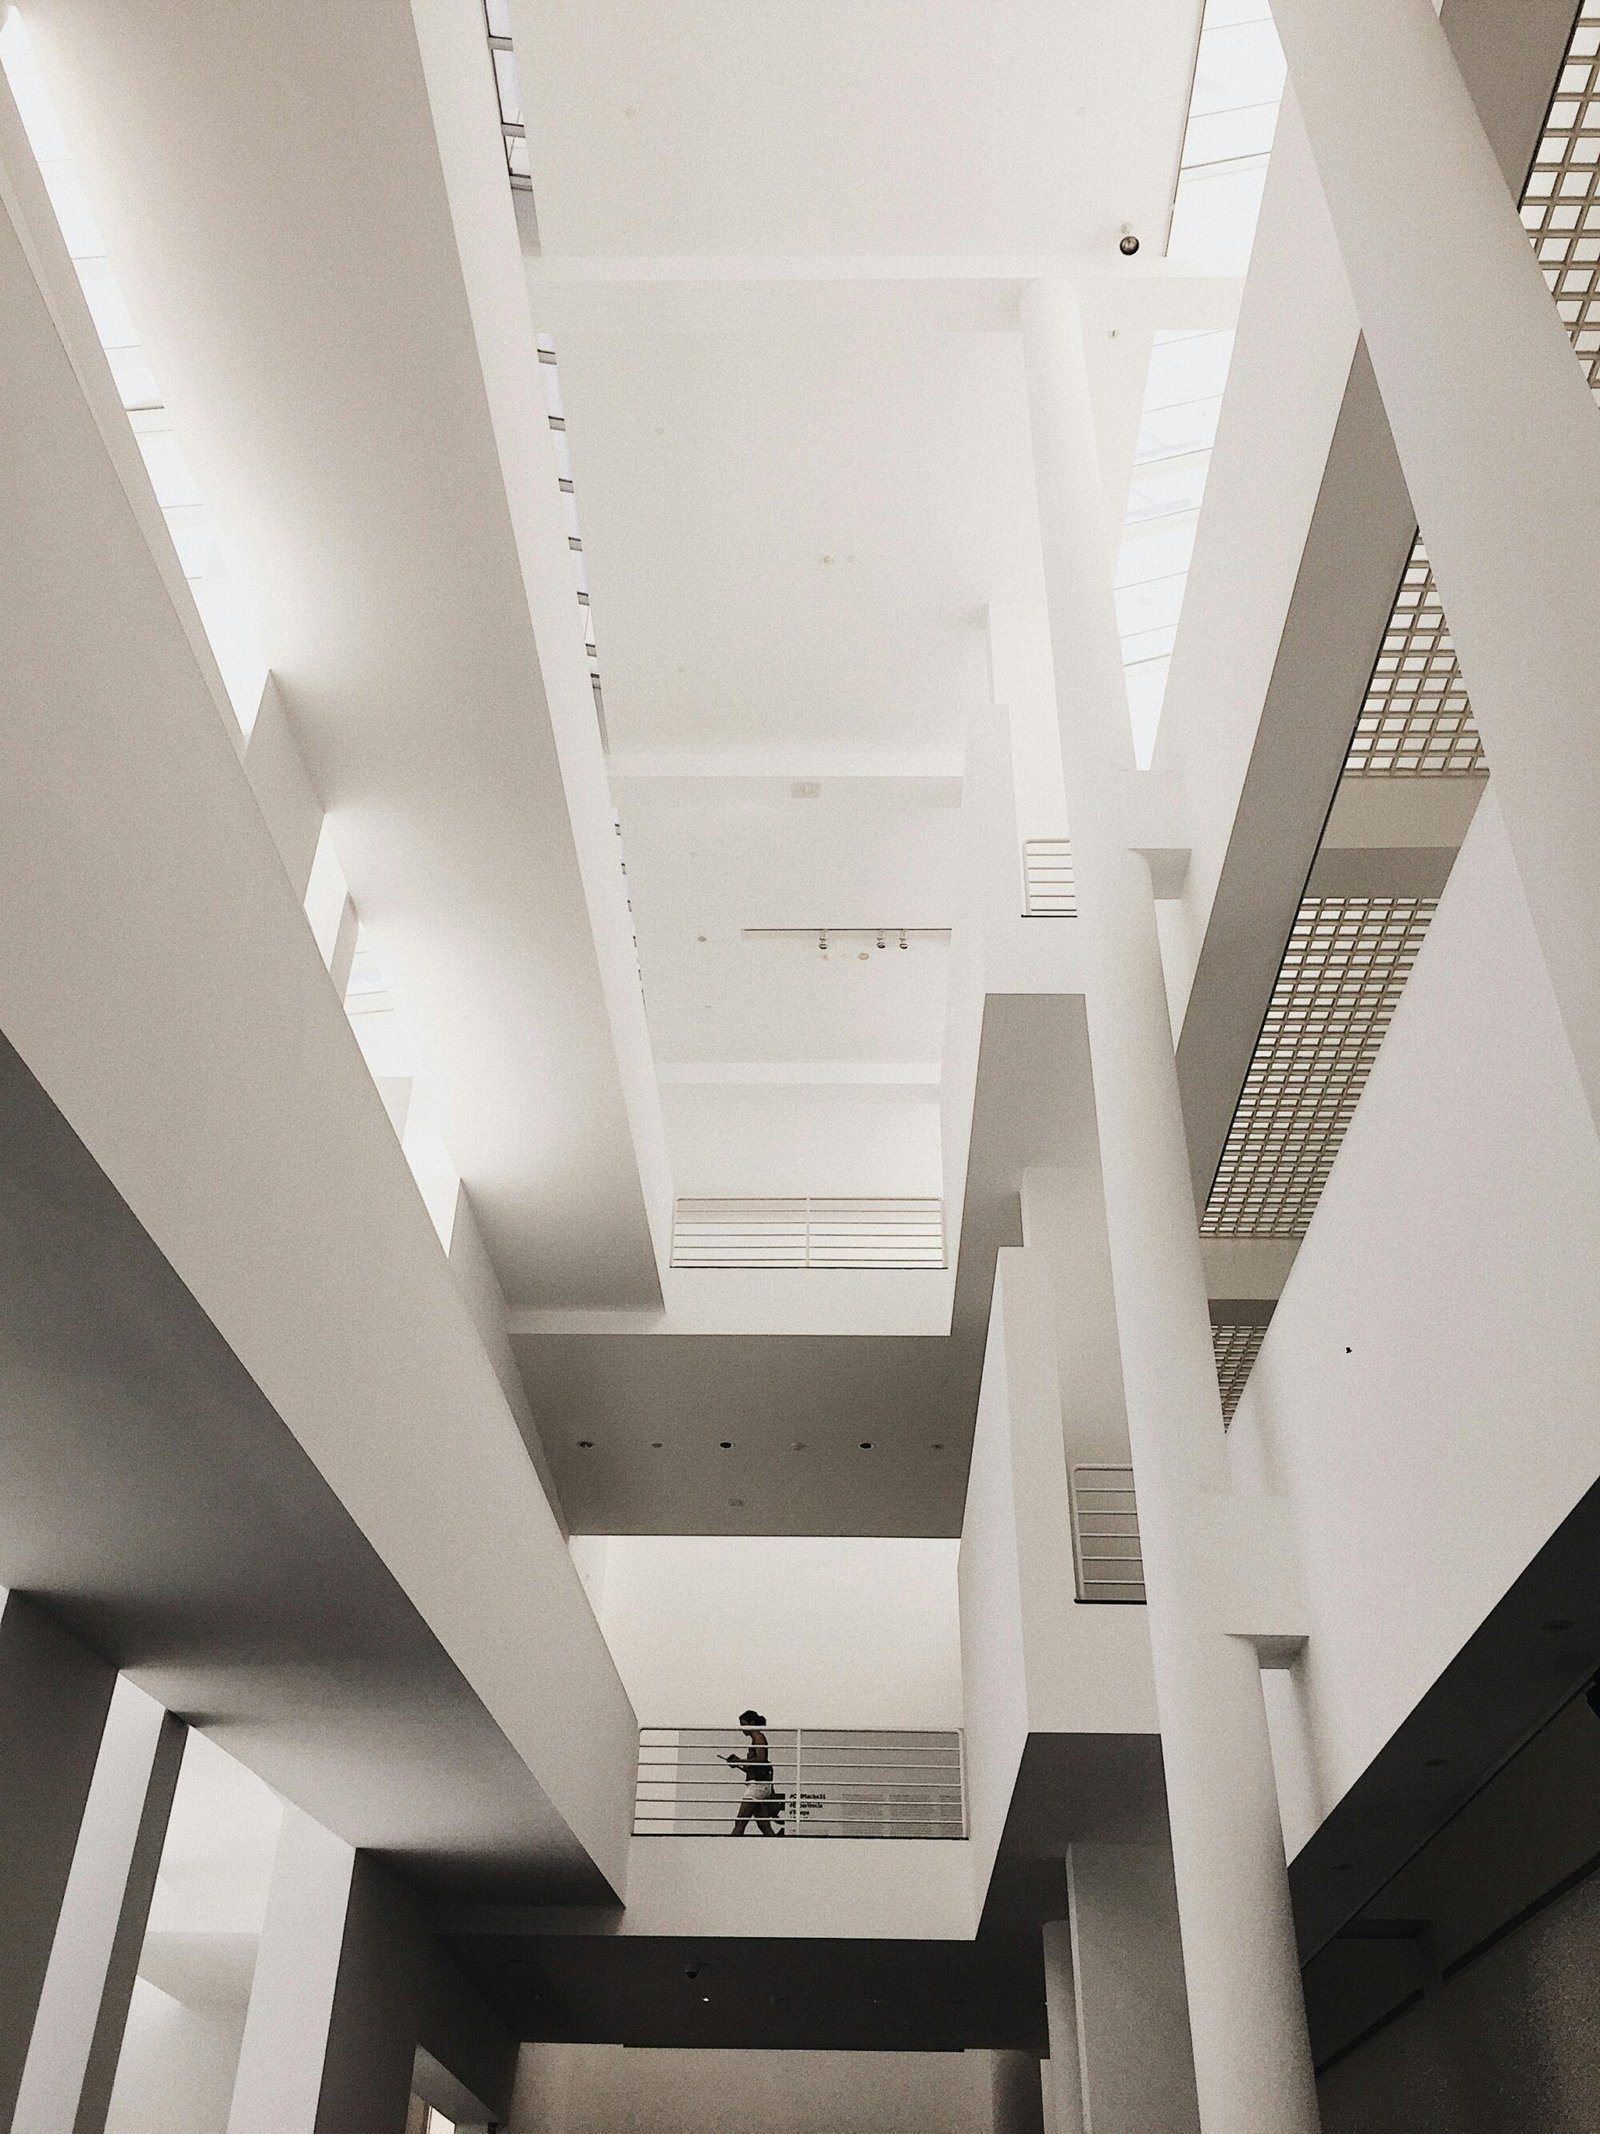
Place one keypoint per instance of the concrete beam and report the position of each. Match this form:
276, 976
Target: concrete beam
1393, 837
1355, 548
764, 295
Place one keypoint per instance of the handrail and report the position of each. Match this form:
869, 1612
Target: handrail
1050, 889
1106, 1554
826, 1783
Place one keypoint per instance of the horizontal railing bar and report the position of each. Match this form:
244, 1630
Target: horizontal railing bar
696, 1763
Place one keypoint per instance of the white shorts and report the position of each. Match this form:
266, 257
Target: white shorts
760, 1789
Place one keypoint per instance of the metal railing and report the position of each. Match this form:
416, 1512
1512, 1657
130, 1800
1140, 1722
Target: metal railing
1049, 885
826, 1783
808, 1233
1105, 1535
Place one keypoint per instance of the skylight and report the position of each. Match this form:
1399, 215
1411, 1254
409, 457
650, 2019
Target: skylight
1178, 426
210, 561
1233, 118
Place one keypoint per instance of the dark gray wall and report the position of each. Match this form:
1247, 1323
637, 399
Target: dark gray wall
397, 1990
54, 1694
1510, 2045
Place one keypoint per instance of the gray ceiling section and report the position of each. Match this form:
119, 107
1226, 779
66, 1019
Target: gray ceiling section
795, 1411
153, 1501
1359, 540
583, 1981
861, 1995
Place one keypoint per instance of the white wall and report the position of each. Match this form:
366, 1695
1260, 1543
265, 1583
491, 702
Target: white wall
177, 2066
613, 2089
895, 1889
210, 1069
1034, 1661
813, 1631
778, 1138
1429, 1393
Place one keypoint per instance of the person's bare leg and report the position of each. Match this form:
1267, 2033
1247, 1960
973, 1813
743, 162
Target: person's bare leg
740, 1818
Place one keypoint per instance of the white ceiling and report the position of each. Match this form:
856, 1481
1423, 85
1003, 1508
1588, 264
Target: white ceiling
791, 539
852, 126
702, 868
796, 511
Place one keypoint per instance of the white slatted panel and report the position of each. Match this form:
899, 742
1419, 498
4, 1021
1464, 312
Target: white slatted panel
1105, 1535
1050, 889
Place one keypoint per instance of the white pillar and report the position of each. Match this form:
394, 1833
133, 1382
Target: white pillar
1496, 431
1063, 1216
1127, 1967
286, 2032
1247, 2016
88, 1986
1061, 2018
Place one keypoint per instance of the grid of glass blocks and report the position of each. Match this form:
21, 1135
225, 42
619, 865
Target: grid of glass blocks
1561, 201
1415, 719
1235, 1349
1342, 975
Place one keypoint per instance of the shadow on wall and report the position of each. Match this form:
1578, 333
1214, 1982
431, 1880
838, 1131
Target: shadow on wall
1506, 2047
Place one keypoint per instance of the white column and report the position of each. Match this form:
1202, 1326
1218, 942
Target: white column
1127, 1968
1247, 2016
1063, 1215
1061, 2018
286, 2032
83, 2009
1496, 431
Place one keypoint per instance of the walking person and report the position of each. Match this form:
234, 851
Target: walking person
762, 1802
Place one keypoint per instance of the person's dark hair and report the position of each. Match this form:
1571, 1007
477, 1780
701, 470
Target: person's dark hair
751, 1719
